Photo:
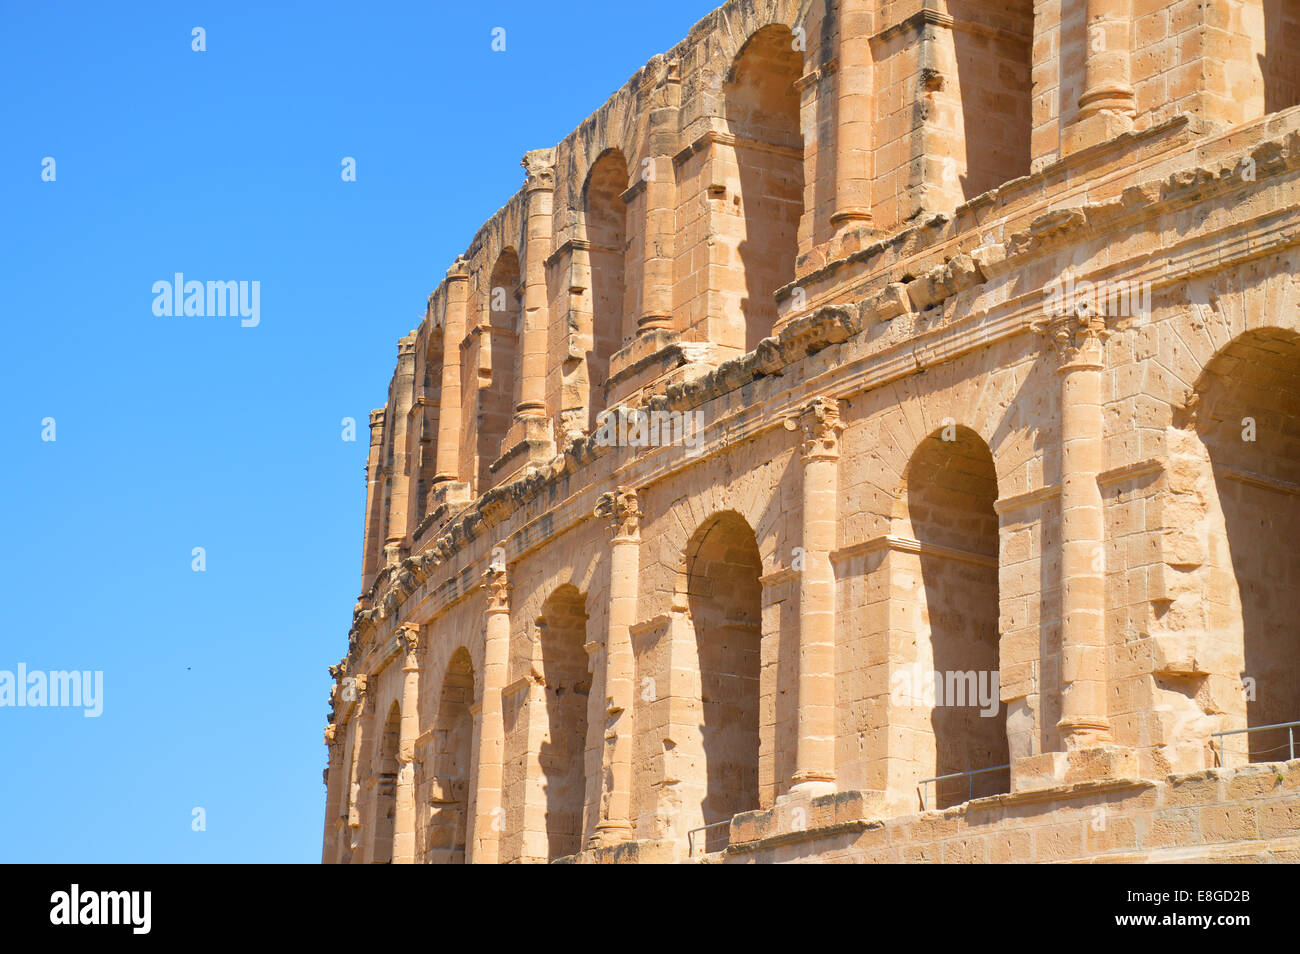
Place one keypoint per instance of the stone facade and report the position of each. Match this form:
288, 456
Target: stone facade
869, 391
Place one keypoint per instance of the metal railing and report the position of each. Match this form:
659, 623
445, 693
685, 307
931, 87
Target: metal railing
920, 788
690, 836
1290, 735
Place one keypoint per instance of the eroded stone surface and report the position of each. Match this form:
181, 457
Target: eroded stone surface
977, 357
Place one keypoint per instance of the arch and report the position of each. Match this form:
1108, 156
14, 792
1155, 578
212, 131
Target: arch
946, 503
613, 321
566, 685
386, 787
722, 569
1247, 415
993, 53
761, 107
450, 768
498, 392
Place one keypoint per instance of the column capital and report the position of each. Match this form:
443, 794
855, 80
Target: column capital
497, 587
1076, 335
821, 424
359, 692
408, 636
331, 736
623, 510
539, 164
459, 270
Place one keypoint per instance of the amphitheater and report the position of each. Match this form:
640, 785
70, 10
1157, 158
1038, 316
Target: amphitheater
872, 435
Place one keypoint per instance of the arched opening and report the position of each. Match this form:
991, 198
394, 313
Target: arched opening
950, 489
613, 322
498, 385
1248, 417
386, 787
993, 48
566, 683
725, 600
1280, 61
762, 219
453, 735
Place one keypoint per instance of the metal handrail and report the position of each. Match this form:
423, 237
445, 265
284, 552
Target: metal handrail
690, 836
920, 787
1289, 726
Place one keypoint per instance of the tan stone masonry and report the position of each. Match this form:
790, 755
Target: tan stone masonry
989, 320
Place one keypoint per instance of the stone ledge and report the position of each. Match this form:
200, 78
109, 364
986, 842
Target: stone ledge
643, 852
795, 819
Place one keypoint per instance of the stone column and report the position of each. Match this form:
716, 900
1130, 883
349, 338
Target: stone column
615, 824
408, 636
1078, 340
1107, 104
485, 845
359, 716
815, 750
853, 114
660, 207
1077, 337
333, 794
403, 392
374, 499
539, 191
453, 333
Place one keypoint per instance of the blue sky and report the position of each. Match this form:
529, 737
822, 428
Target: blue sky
175, 433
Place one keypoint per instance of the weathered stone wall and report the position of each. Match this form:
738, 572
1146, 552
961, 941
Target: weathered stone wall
979, 341
1248, 815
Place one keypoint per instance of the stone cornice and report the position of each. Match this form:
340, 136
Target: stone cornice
927, 236
1133, 471
913, 24
567, 247
631, 192
1030, 498
900, 544
715, 137
1263, 481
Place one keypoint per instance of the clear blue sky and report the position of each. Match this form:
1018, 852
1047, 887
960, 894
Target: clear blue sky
176, 433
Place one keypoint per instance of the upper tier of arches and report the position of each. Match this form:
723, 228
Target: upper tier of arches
692, 214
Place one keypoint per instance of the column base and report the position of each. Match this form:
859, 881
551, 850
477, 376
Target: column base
449, 493
795, 818
1087, 764
644, 852
1094, 129
655, 359
805, 788
444, 498
609, 835
530, 440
